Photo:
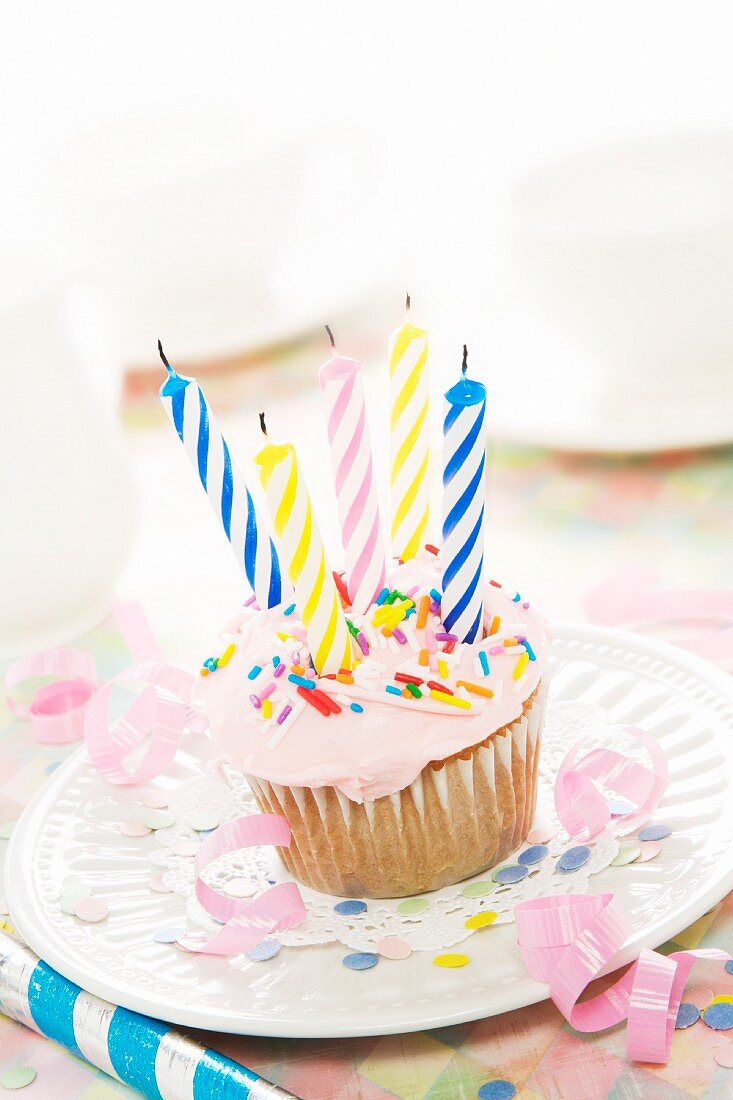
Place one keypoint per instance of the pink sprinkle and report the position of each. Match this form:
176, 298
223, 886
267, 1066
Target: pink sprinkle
525, 606
429, 640
296, 657
283, 714
497, 649
252, 600
255, 701
411, 591
435, 607
310, 674
397, 633
363, 643
280, 669
267, 691
443, 637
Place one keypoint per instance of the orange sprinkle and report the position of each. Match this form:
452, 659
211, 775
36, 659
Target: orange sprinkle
422, 611
495, 624
204, 672
423, 659
345, 678
475, 689
297, 669
387, 631
407, 694
510, 641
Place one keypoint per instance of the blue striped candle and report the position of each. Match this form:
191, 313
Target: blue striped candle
464, 492
206, 447
143, 1053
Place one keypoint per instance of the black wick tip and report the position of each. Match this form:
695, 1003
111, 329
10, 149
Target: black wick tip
407, 301
162, 355
330, 336
263, 426
464, 364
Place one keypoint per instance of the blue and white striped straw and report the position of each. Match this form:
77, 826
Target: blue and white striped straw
243, 523
143, 1053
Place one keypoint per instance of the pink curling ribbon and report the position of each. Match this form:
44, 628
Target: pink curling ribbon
246, 923
567, 941
56, 712
582, 808
632, 598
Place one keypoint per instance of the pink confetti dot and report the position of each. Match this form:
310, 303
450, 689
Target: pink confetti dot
649, 850
700, 996
541, 835
724, 1058
155, 800
156, 883
392, 947
134, 828
186, 848
91, 910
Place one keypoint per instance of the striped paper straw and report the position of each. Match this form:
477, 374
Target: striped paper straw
184, 401
410, 433
302, 550
143, 1053
464, 492
356, 490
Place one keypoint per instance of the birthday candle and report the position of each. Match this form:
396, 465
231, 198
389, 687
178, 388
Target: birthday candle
302, 551
410, 433
464, 490
356, 490
184, 401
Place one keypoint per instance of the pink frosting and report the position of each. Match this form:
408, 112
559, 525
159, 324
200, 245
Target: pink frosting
378, 752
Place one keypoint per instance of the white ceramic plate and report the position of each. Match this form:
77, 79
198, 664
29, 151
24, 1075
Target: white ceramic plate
70, 829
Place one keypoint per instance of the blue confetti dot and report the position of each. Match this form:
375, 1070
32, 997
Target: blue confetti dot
719, 1016
687, 1015
619, 807
169, 935
264, 950
532, 855
573, 859
513, 873
360, 960
350, 908
729, 966
655, 832
497, 1090
50, 768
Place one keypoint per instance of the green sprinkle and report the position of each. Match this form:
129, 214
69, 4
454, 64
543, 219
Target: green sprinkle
414, 690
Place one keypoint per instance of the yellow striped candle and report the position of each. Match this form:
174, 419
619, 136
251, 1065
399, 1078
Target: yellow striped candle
301, 547
410, 432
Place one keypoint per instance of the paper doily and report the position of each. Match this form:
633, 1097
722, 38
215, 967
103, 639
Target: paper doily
442, 922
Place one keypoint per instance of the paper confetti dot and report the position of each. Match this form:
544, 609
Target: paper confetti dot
203, 821
650, 849
6, 828
186, 848
392, 947
155, 800
620, 807
266, 949
719, 1016
158, 819
687, 1015
500, 1089
724, 1058
699, 996
240, 887
168, 935
156, 883
532, 855
542, 834
573, 859
350, 908
410, 907
513, 873
655, 832
478, 889
481, 920
67, 903
360, 960
134, 828
729, 966
17, 1077
91, 910
451, 961
627, 853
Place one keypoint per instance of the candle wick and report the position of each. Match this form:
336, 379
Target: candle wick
464, 364
407, 302
162, 354
263, 426
330, 336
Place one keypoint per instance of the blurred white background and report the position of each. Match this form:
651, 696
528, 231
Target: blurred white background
235, 174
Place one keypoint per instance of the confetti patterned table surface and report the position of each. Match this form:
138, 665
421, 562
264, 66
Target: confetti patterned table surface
590, 516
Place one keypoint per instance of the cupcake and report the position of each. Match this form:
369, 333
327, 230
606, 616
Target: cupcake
411, 772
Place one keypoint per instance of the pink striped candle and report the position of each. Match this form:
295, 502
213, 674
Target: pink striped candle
356, 490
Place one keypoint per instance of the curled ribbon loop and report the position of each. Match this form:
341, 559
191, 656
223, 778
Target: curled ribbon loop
56, 712
568, 941
246, 923
582, 808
